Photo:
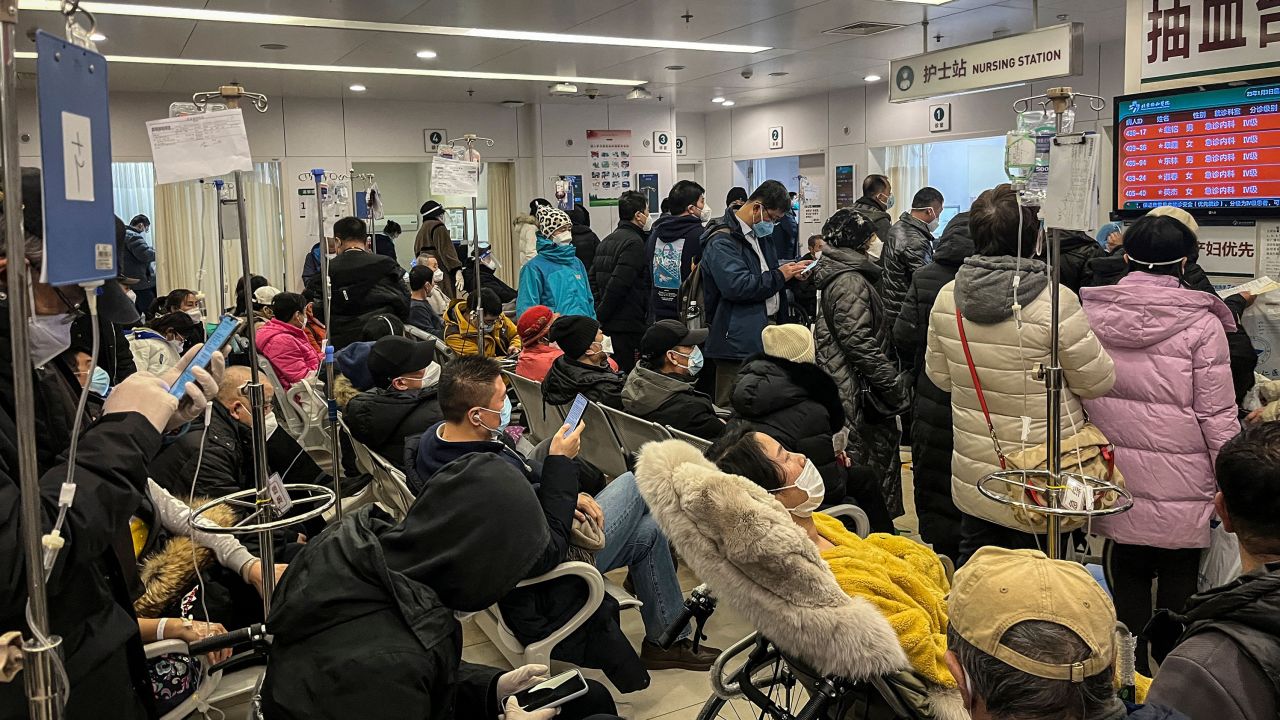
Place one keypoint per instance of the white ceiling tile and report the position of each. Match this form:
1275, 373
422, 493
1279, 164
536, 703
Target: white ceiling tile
368, 10
533, 15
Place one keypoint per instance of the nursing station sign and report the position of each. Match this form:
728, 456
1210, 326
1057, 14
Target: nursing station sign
1050, 52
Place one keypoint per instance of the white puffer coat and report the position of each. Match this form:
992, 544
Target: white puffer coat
983, 288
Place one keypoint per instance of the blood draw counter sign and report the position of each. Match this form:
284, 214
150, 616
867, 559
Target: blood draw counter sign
1217, 150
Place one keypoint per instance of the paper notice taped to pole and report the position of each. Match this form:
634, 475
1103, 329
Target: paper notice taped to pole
454, 177
199, 146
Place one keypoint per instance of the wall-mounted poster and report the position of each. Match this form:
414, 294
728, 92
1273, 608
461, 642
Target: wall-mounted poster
566, 191
648, 184
610, 152
846, 195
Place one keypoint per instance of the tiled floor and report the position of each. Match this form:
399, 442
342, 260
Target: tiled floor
673, 694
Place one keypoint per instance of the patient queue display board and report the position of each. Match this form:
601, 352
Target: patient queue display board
1212, 151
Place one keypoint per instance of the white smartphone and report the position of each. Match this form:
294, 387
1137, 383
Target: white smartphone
553, 692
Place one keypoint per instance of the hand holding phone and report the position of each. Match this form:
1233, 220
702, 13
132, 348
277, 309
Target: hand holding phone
220, 337
575, 414
552, 693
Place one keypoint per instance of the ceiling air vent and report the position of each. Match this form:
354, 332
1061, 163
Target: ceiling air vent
863, 28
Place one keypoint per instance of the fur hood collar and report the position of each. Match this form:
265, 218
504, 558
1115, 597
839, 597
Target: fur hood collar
742, 542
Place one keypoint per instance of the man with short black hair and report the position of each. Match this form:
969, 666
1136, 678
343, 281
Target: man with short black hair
403, 402
876, 201
674, 248
734, 201
137, 262
660, 389
362, 285
1227, 662
743, 282
619, 282
384, 243
908, 248
421, 314
1035, 639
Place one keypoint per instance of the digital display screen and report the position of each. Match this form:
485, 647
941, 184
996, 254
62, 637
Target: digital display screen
1211, 151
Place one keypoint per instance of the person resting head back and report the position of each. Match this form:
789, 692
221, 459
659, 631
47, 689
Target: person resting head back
788, 476
399, 363
580, 338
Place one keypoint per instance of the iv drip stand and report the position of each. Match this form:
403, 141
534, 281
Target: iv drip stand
469, 142
223, 300
371, 226
335, 443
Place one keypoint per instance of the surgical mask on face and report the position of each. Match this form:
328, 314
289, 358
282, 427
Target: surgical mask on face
331, 255
875, 248
810, 481
695, 360
437, 277
176, 345
705, 214
648, 222
795, 206
890, 201
270, 425
487, 327
196, 316
48, 337
504, 417
562, 238
933, 224
764, 228
100, 382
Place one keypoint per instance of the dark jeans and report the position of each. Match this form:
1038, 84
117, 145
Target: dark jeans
626, 346
1130, 570
976, 533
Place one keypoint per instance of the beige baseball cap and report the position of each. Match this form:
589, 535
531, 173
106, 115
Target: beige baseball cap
1178, 214
1000, 588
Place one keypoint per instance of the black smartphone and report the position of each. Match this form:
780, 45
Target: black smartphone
552, 693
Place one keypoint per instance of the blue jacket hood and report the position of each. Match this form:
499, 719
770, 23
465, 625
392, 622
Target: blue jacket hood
561, 254
353, 362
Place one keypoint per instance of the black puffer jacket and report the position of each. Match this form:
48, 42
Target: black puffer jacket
363, 284
585, 244
1078, 249
619, 282
852, 339
567, 378
909, 247
877, 214
382, 419
931, 417
488, 280
798, 405
670, 400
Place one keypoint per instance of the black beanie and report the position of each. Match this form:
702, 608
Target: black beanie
1158, 240
574, 334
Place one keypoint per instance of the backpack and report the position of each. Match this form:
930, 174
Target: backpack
691, 301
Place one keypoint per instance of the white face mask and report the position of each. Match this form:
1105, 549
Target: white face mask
331, 255
196, 315
933, 224
874, 250
270, 425
48, 336
176, 345
437, 276
810, 481
562, 238
648, 222
705, 215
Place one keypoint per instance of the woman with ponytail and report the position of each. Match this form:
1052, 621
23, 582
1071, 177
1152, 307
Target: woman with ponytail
1171, 409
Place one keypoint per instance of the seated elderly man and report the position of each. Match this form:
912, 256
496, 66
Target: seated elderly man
403, 402
1035, 639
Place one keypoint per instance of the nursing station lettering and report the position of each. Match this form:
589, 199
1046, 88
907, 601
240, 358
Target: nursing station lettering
1051, 52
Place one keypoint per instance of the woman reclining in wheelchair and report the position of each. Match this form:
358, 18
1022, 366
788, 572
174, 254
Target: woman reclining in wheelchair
860, 623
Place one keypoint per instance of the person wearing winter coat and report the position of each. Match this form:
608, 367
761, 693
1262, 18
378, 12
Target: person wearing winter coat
433, 240
931, 444
1226, 665
352, 361
555, 277
311, 265
137, 260
403, 402
398, 587
876, 202
733, 202
421, 314
619, 282
284, 342
742, 283
660, 388
539, 352
583, 368
483, 311
674, 248
909, 247
1171, 410
488, 274
853, 348
1078, 250
362, 285
159, 344
524, 236
585, 240
1007, 345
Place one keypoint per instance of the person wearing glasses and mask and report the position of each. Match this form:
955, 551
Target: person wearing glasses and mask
403, 403
743, 282
909, 247
876, 202
660, 389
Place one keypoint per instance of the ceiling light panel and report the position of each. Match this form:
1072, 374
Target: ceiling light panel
354, 70
206, 15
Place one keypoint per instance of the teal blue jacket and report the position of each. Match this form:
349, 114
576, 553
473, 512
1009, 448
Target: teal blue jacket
555, 277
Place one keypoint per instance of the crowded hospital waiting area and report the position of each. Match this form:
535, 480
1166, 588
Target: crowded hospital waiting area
644, 359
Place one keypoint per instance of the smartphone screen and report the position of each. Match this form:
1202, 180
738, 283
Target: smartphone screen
810, 266
217, 340
575, 414
552, 693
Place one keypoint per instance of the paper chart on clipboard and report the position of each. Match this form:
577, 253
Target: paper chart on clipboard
1071, 200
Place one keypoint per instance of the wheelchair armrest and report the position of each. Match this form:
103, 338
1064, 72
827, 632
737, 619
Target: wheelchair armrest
861, 524
165, 647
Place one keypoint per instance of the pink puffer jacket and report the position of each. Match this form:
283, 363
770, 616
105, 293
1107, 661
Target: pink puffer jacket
289, 350
1172, 408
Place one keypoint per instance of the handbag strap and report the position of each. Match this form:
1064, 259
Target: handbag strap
977, 385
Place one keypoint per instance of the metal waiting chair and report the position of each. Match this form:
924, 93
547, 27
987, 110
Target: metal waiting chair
543, 419
694, 440
388, 486
600, 446
634, 432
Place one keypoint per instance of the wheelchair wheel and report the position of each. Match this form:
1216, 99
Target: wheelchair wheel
774, 680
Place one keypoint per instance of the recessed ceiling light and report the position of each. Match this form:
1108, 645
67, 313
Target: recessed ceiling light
718, 99
728, 103
675, 67
871, 78
780, 73
202, 14
357, 88
351, 69
274, 46
98, 37
427, 55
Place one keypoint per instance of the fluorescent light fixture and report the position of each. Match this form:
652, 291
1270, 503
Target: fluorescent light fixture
718, 99
872, 78
427, 55
98, 37
205, 15
357, 88
728, 103
351, 69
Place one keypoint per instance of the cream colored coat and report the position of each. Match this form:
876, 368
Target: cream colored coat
1010, 385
